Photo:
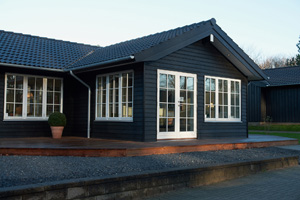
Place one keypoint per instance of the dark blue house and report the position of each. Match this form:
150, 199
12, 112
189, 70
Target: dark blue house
277, 97
189, 82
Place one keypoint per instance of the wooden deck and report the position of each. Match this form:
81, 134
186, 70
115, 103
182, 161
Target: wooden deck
75, 146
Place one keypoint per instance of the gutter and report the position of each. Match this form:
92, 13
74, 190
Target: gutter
89, 102
102, 63
30, 67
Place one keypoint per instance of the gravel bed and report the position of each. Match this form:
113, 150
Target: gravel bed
24, 170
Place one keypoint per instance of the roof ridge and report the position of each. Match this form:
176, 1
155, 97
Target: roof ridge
46, 38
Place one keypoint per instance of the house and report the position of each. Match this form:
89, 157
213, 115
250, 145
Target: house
277, 97
189, 82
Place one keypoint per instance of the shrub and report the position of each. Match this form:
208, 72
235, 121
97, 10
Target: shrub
57, 119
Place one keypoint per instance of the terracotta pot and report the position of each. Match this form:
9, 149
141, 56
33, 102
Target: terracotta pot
57, 131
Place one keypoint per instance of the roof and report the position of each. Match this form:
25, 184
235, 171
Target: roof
27, 50
283, 76
47, 53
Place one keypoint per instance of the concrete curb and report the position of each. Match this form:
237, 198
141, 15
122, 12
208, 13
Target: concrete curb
138, 186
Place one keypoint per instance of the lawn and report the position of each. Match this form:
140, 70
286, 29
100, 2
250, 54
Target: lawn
275, 127
289, 135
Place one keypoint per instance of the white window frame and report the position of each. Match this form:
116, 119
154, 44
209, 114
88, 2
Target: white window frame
24, 103
217, 119
120, 118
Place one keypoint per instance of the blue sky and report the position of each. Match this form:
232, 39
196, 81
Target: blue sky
268, 27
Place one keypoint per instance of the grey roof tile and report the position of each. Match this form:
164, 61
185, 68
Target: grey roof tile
283, 76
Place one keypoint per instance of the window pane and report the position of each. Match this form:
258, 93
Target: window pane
237, 100
190, 111
50, 84
99, 81
232, 86
56, 108
104, 82
163, 125
39, 84
213, 100
171, 124
19, 82
190, 125
171, 110
10, 109
221, 113
183, 96
225, 86
130, 80
225, 111
207, 97
220, 86
163, 80
49, 109
232, 112
38, 110
207, 111
10, 95
190, 83
57, 97
225, 99
57, 85
117, 95
124, 90
162, 110
232, 99
39, 97
213, 111
182, 82
207, 84
104, 96
116, 81
18, 111
116, 112
182, 110
110, 100
237, 88
213, 85
130, 113
110, 111
50, 97
237, 112
129, 94
163, 95
30, 110
171, 81
98, 110
31, 83
30, 97
111, 82
124, 80
10, 81
190, 97
171, 96
182, 124
124, 110
103, 110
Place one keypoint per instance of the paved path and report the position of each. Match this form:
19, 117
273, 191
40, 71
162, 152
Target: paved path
275, 185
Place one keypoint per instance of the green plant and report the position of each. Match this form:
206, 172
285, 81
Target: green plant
57, 119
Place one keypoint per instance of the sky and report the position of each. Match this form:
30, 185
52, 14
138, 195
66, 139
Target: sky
261, 27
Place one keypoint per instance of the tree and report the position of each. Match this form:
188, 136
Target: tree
298, 56
294, 61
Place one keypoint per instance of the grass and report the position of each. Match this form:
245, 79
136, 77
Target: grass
289, 135
275, 128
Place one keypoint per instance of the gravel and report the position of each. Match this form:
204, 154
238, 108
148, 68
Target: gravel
24, 170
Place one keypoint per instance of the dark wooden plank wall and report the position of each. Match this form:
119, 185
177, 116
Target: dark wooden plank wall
22, 128
104, 129
201, 59
254, 103
283, 103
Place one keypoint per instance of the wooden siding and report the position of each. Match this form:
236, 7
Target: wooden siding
282, 103
22, 128
200, 58
254, 103
108, 129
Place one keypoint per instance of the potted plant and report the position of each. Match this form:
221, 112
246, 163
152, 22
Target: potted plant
57, 122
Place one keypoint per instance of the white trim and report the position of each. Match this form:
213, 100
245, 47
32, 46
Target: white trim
229, 119
120, 118
177, 134
24, 103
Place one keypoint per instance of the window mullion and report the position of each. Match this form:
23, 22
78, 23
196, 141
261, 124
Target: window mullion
217, 98
120, 95
44, 101
107, 97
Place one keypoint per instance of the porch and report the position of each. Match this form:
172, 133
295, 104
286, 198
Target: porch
76, 146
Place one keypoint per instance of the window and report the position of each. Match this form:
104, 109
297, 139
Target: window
114, 96
31, 97
222, 99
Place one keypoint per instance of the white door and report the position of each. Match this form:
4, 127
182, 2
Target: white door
176, 105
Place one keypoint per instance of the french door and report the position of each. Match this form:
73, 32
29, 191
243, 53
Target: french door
176, 105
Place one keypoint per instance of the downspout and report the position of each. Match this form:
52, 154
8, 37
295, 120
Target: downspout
89, 102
